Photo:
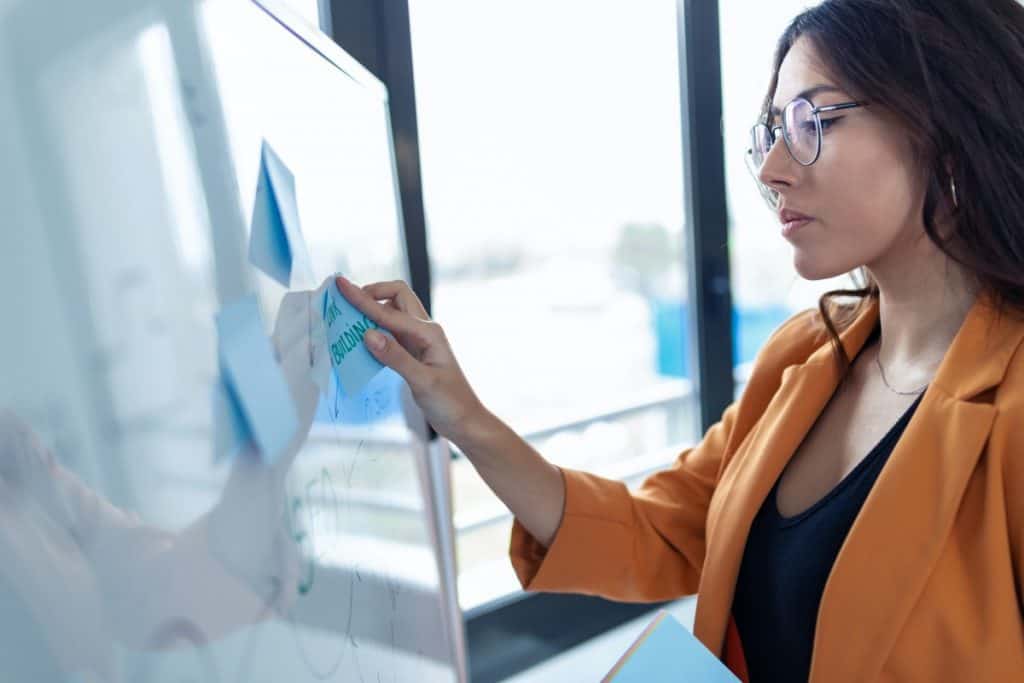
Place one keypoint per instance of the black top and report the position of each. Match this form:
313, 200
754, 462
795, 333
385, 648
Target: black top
786, 563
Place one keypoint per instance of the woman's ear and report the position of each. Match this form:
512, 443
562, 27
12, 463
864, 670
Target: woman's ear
950, 180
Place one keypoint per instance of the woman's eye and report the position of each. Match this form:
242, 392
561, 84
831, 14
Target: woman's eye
826, 123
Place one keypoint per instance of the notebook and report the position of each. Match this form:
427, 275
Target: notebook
667, 651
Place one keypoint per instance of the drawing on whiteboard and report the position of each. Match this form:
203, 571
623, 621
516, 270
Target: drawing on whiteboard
315, 518
312, 516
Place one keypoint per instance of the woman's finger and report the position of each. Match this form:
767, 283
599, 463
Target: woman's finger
397, 321
399, 292
392, 354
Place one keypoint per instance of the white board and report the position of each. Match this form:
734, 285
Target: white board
131, 135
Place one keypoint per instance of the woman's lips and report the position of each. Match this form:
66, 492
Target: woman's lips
791, 226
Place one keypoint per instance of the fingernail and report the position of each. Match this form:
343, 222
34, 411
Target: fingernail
374, 339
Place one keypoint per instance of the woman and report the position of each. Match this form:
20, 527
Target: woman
858, 514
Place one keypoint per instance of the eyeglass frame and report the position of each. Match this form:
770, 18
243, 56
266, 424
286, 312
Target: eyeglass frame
770, 195
815, 112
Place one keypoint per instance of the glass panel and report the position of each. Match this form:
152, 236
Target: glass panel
130, 552
307, 9
550, 142
766, 288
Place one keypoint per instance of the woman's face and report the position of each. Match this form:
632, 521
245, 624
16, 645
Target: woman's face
863, 192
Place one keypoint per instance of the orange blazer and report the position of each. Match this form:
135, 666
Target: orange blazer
927, 585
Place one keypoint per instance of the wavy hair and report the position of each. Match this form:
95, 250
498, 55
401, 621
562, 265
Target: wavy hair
951, 75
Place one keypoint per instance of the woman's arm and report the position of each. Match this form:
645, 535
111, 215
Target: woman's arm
531, 487
574, 531
419, 351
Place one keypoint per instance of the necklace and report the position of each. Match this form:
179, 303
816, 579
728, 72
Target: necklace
886, 382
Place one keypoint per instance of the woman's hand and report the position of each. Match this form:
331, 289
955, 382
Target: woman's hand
419, 352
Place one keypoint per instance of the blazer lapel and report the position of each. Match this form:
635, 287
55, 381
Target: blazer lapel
886, 558
802, 395
884, 562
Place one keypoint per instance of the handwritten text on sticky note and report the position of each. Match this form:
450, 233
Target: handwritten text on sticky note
346, 326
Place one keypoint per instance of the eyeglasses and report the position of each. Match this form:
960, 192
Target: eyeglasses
801, 129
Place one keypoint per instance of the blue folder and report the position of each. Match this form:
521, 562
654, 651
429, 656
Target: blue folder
667, 652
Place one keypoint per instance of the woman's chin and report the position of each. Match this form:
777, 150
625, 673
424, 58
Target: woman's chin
811, 268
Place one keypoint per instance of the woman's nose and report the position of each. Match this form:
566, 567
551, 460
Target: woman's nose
778, 170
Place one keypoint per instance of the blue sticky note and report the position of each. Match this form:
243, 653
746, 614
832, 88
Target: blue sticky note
275, 241
667, 652
252, 404
231, 431
379, 400
353, 363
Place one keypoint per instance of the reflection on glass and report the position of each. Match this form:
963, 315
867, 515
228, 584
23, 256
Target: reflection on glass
130, 553
309, 10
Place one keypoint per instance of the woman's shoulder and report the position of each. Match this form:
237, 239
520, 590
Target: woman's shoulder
792, 343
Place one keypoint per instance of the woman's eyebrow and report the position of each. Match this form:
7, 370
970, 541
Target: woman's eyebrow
809, 93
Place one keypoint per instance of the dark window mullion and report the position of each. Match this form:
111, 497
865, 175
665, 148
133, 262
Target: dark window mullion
707, 225
377, 34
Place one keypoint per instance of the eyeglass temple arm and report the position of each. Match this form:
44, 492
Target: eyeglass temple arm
836, 107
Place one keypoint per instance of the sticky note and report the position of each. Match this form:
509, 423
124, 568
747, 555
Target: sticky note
353, 363
667, 652
379, 400
275, 240
253, 404
231, 431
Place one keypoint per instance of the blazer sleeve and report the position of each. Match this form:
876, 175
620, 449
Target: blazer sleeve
649, 545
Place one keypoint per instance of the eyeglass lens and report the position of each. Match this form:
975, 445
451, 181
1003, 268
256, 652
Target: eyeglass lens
800, 129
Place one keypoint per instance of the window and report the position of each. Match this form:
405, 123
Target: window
551, 155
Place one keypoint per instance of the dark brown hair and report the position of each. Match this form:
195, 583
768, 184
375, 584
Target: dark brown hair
951, 75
